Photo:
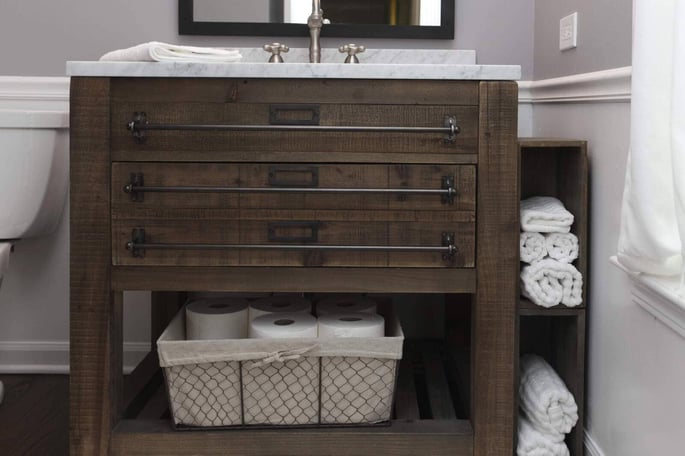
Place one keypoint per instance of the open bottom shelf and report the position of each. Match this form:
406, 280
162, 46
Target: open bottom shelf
426, 421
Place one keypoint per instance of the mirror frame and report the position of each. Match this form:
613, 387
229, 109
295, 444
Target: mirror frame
188, 26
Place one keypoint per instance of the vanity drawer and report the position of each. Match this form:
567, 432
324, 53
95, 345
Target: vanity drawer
333, 238
137, 187
308, 106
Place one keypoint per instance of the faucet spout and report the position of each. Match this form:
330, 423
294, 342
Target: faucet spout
315, 22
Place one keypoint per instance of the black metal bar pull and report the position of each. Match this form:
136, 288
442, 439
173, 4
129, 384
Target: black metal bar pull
139, 125
136, 188
138, 245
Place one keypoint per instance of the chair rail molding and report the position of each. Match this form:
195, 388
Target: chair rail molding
611, 85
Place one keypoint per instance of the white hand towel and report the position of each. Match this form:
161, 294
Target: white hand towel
154, 51
545, 214
549, 282
531, 442
543, 396
532, 247
562, 246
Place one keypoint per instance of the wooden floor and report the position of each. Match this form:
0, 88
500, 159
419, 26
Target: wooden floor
34, 416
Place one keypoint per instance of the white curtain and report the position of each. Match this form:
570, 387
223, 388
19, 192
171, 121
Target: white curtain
652, 236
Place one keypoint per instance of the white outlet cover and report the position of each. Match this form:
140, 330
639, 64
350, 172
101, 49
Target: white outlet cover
568, 32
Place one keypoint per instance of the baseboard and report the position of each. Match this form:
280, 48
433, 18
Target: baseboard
595, 87
591, 447
52, 357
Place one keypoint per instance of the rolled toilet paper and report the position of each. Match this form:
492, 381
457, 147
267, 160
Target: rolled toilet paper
346, 304
279, 304
283, 326
351, 324
216, 318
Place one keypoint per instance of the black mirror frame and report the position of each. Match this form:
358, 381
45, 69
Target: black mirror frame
187, 26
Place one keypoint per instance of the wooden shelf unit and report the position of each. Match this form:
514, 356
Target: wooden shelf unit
559, 168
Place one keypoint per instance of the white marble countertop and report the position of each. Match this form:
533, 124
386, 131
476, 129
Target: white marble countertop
375, 64
295, 70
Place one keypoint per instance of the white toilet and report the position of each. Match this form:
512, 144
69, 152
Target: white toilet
34, 177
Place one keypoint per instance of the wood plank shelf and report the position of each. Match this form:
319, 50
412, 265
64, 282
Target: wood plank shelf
428, 419
526, 307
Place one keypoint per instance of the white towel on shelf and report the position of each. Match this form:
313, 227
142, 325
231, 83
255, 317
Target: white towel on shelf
531, 442
545, 214
550, 282
562, 246
545, 399
532, 247
154, 51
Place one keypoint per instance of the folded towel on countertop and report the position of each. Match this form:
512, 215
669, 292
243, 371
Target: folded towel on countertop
562, 246
531, 442
545, 214
549, 282
532, 247
154, 51
545, 399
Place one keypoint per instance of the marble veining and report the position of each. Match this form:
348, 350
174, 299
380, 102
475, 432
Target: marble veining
296, 70
370, 56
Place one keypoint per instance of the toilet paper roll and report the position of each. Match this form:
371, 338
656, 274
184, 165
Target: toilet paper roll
283, 326
346, 304
352, 324
279, 304
5, 250
216, 318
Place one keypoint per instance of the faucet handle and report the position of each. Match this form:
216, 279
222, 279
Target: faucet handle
276, 49
352, 51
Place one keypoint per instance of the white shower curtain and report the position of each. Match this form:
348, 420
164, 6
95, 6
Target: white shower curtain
652, 236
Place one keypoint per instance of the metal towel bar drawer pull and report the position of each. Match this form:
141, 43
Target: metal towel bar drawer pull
137, 188
138, 245
139, 125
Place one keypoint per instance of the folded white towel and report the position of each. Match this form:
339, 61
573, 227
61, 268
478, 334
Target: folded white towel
532, 247
543, 396
550, 282
154, 51
531, 442
545, 214
562, 246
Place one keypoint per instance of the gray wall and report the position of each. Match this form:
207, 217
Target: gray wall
604, 36
46, 33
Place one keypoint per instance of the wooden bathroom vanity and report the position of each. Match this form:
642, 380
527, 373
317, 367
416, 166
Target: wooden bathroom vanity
182, 184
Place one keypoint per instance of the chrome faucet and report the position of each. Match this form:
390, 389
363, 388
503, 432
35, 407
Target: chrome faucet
315, 22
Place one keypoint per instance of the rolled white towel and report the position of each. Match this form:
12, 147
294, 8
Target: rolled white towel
531, 442
562, 246
532, 247
154, 51
550, 282
543, 396
545, 214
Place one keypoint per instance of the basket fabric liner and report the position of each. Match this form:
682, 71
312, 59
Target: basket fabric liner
174, 350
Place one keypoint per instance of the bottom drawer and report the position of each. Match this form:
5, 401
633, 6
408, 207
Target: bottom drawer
293, 243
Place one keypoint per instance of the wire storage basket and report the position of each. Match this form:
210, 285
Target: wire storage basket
239, 383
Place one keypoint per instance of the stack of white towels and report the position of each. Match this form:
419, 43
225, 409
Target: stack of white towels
547, 249
548, 410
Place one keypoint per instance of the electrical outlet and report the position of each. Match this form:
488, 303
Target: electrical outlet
568, 32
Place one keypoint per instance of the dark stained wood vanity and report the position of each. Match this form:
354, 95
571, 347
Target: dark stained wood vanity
418, 193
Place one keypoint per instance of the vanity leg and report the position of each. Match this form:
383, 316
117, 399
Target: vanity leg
95, 381
494, 314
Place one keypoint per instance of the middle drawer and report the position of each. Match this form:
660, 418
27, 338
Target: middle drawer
136, 186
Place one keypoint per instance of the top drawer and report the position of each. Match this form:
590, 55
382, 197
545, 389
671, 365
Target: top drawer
312, 120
